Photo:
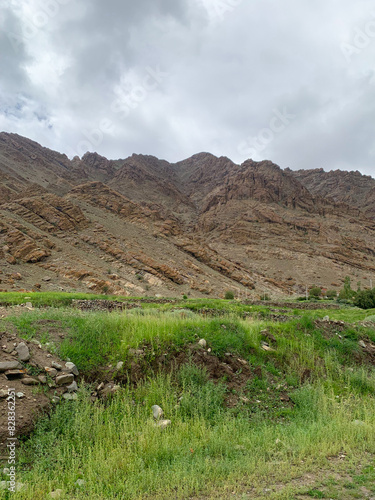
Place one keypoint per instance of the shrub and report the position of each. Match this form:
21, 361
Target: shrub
347, 292
315, 292
265, 297
229, 295
365, 299
331, 294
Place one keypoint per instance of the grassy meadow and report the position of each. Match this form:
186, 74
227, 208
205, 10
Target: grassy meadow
302, 426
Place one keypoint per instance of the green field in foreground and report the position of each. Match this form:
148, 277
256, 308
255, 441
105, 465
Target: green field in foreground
319, 442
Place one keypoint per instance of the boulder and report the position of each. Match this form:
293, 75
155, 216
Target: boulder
30, 381
73, 387
52, 372
71, 367
65, 379
9, 365
23, 352
157, 412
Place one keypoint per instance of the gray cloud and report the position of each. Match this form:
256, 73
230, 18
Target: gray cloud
175, 77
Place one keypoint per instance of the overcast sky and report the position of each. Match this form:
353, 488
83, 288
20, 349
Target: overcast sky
290, 81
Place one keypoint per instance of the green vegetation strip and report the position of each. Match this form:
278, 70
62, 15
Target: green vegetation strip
252, 449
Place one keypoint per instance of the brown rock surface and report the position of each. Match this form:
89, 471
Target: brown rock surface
204, 225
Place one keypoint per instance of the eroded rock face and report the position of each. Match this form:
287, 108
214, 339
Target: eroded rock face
143, 226
351, 188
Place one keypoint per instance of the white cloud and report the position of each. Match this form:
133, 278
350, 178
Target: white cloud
77, 70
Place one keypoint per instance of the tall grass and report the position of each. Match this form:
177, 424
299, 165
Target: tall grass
209, 448
119, 444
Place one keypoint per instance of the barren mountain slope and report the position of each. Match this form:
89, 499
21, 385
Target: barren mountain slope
143, 226
352, 188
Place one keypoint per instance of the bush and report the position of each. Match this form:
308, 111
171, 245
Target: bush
315, 292
365, 299
229, 295
265, 297
347, 292
331, 294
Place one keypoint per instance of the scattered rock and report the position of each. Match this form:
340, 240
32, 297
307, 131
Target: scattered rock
23, 352
15, 374
9, 365
202, 343
119, 365
52, 372
3, 393
56, 494
20, 395
242, 361
326, 318
71, 367
80, 482
70, 396
73, 387
136, 352
359, 423
56, 365
29, 305
362, 344
55, 399
30, 381
65, 379
266, 347
108, 389
162, 424
157, 412
42, 379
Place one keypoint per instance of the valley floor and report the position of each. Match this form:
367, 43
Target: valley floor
260, 400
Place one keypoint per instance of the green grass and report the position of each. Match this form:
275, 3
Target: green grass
209, 449
204, 448
53, 299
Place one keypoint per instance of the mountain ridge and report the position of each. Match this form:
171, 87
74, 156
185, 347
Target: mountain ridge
198, 226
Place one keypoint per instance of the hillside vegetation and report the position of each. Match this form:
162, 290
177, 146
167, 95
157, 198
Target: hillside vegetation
276, 403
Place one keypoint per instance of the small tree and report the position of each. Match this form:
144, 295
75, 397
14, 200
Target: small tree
315, 292
347, 292
365, 299
331, 294
229, 295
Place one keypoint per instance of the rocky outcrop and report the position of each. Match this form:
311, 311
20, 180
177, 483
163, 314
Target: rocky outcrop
350, 188
49, 213
203, 225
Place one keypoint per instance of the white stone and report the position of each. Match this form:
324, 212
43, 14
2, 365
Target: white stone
72, 368
56, 494
70, 397
157, 412
202, 343
163, 424
73, 387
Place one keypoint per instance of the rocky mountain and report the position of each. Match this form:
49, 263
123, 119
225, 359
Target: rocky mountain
351, 188
144, 226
